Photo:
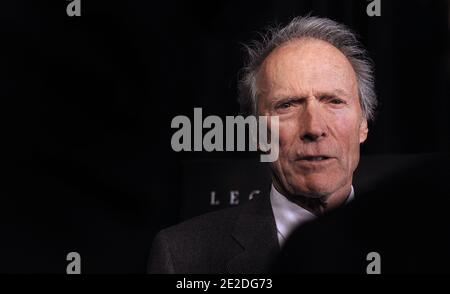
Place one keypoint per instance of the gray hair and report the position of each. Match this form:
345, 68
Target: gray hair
323, 29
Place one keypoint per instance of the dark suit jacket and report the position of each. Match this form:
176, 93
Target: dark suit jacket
241, 239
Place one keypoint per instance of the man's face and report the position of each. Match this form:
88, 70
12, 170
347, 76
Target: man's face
312, 87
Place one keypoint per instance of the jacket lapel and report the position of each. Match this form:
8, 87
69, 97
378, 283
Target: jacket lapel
255, 232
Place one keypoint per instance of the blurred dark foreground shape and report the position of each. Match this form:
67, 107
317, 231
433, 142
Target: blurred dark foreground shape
401, 214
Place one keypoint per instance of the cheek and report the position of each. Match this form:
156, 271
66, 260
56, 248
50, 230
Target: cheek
288, 131
287, 137
347, 135
347, 123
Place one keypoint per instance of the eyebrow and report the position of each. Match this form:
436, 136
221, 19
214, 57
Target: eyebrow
334, 92
340, 92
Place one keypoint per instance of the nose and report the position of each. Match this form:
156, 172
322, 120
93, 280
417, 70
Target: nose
312, 125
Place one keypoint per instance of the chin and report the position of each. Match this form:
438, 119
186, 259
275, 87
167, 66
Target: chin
316, 187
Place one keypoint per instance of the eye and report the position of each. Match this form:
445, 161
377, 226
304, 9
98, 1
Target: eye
336, 101
284, 105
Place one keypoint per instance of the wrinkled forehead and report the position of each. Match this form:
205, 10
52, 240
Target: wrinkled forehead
306, 65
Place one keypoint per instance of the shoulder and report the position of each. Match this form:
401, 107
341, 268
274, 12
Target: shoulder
204, 225
220, 220
204, 243
213, 227
198, 245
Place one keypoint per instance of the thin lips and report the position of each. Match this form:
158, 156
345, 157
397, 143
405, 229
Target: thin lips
308, 157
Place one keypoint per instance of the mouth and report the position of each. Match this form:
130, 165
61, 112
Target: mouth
315, 161
314, 158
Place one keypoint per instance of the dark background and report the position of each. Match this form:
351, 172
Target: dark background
88, 101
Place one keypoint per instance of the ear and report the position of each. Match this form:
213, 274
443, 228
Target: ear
363, 130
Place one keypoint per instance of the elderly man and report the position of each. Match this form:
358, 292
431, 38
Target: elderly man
314, 75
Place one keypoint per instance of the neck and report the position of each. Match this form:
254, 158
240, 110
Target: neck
318, 205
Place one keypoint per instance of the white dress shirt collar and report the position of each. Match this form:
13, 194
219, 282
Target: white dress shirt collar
289, 215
